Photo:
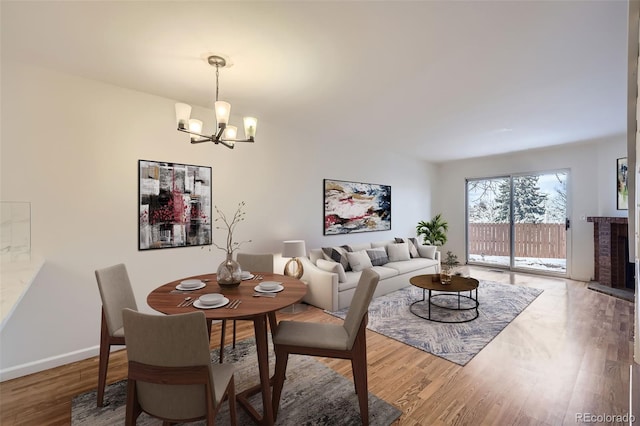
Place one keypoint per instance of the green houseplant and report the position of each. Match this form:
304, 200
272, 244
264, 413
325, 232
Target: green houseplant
433, 232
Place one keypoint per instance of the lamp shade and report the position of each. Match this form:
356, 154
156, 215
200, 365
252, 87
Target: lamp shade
230, 132
250, 125
183, 112
195, 126
223, 110
294, 248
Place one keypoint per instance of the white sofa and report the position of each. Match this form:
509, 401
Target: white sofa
331, 284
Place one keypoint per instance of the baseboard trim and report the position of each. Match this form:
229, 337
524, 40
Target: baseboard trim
47, 363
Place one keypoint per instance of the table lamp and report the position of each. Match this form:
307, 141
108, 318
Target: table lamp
294, 249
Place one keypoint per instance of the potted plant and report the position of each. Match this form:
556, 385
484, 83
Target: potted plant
448, 267
433, 232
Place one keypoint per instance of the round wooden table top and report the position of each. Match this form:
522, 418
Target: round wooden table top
432, 282
166, 298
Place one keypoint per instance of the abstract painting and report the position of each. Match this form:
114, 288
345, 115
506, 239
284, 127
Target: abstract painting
351, 207
621, 185
174, 205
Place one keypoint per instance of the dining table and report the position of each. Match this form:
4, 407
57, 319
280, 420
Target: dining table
250, 303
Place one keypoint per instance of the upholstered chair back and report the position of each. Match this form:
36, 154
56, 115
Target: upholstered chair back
169, 341
256, 262
360, 303
116, 294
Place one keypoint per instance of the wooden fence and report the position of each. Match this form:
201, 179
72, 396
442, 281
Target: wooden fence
540, 240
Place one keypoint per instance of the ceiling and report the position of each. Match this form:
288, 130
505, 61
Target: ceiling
439, 80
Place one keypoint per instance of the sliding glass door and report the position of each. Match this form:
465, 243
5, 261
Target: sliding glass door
519, 222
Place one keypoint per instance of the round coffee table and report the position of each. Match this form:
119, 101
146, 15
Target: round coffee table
458, 285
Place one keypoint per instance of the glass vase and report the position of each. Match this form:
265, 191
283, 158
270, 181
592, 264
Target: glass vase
445, 274
229, 273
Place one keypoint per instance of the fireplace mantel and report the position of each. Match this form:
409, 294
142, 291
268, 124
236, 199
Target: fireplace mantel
610, 250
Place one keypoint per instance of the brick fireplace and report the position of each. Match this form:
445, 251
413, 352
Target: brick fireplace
611, 252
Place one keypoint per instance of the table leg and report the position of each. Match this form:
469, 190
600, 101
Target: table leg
262, 348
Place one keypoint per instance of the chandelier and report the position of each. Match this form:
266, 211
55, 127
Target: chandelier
225, 133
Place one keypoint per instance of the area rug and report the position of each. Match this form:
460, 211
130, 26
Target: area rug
389, 315
313, 394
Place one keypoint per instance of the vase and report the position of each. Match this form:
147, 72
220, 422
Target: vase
229, 273
445, 274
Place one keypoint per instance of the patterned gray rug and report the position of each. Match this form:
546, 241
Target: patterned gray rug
313, 394
459, 343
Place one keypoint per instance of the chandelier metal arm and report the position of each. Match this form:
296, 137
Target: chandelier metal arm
216, 139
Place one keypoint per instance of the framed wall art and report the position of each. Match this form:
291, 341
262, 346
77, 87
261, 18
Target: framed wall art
351, 207
621, 184
174, 205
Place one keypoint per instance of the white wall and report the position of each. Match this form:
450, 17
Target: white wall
70, 146
592, 190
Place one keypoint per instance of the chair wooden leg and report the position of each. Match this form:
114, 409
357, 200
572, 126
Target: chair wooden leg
359, 364
103, 363
222, 339
231, 395
133, 409
278, 379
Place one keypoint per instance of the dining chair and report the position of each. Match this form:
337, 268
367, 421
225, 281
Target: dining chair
171, 376
252, 263
344, 341
116, 294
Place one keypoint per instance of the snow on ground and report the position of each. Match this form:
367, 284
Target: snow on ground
558, 266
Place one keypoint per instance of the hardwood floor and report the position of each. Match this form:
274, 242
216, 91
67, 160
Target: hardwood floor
568, 353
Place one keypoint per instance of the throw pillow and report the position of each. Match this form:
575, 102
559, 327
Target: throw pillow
398, 251
331, 266
413, 245
378, 256
337, 254
359, 260
428, 252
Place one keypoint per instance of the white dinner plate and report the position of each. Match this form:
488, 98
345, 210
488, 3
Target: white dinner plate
248, 277
180, 287
199, 304
190, 283
276, 290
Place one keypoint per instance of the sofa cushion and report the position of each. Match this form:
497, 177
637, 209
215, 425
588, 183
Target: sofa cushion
385, 272
354, 277
428, 252
378, 256
413, 245
358, 247
331, 266
404, 266
315, 254
359, 260
382, 244
398, 252
337, 254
